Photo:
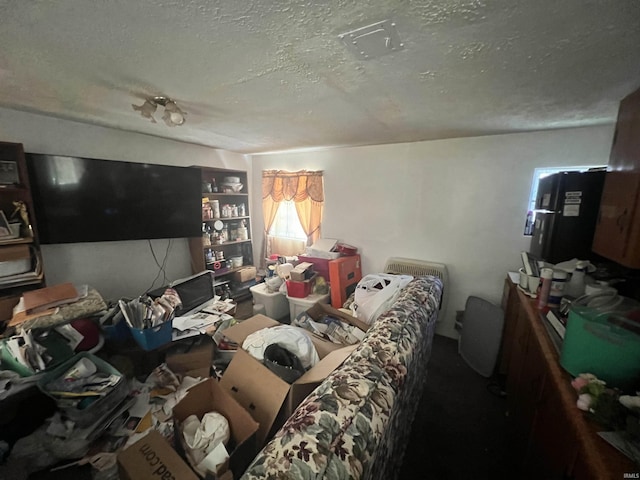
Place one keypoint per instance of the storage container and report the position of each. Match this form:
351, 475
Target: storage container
606, 344
236, 261
301, 289
57, 347
300, 305
95, 411
275, 303
152, 338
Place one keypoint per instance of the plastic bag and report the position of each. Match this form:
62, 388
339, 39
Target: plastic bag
283, 363
287, 337
205, 441
375, 293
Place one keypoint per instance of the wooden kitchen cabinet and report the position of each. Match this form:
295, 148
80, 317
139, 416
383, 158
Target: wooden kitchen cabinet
617, 235
550, 437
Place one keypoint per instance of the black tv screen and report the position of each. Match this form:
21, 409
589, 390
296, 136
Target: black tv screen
89, 200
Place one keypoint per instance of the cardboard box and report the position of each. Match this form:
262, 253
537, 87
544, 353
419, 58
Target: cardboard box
152, 458
210, 396
268, 398
319, 310
245, 274
301, 272
191, 360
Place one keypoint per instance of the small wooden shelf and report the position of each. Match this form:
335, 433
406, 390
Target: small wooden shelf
235, 242
219, 194
226, 219
226, 272
16, 241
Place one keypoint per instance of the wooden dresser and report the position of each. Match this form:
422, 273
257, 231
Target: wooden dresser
551, 436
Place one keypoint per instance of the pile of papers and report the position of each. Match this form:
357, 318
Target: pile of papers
205, 322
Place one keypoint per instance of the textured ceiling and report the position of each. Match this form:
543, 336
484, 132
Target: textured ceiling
257, 76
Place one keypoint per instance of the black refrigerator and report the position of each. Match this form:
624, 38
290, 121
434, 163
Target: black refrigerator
566, 211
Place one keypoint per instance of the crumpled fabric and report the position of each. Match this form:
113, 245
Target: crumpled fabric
288, 337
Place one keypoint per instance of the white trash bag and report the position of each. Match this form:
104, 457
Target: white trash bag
287, 336
375, 293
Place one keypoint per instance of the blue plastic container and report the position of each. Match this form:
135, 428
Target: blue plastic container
152, 338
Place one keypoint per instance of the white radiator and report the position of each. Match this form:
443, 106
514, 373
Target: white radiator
410, 266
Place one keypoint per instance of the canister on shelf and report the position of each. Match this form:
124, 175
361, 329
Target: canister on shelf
226, 210
215, 208
234, 210
242, 211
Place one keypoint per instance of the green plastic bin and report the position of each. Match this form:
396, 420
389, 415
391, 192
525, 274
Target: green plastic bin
606, 344
56, 346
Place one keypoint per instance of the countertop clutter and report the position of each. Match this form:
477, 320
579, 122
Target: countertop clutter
551, 433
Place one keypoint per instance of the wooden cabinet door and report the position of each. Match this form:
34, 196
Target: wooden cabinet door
525, 382
617, 235
618, 225
552, 448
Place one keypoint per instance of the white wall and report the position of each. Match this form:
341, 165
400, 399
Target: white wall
461, 202
115, 269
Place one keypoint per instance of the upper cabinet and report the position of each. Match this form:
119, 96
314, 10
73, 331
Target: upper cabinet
617, 235
225, 245
20, 259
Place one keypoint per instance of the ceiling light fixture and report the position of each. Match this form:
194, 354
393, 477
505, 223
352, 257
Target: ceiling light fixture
173, 115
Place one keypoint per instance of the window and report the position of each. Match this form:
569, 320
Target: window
539, 174
287, 224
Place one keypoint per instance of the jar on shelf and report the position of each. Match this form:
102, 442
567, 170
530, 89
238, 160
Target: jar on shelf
206, 211
215, 208
209, 258
226, 210
234, 211
242, 211
206, 234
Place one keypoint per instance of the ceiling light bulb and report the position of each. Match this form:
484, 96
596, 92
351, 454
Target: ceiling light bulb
147, 109
173, 116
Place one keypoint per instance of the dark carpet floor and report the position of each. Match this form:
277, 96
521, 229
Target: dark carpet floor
460, 430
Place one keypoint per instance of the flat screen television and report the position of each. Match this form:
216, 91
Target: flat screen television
90, 200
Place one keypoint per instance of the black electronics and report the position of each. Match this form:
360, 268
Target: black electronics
90, 200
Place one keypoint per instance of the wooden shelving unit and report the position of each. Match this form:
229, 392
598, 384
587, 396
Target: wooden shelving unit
218, 244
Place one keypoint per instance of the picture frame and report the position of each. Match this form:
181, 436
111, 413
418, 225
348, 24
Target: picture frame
9, 174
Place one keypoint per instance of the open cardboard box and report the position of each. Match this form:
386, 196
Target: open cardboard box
191, 359
268, 398
319, 310
152, 458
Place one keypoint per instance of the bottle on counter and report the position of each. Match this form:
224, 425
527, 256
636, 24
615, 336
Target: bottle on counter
556, 293
546, 277
576, 285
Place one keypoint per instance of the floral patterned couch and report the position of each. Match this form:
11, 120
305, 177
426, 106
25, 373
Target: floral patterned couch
356, 424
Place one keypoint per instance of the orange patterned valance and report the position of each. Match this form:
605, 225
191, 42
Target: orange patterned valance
296, 186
